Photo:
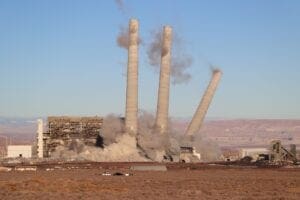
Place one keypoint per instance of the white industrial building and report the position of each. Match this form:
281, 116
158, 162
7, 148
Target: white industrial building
24, 151
253, 152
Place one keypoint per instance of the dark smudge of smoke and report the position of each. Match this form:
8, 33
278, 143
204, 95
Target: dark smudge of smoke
121, 6
180, 60
123, 38
154, 50
179, 66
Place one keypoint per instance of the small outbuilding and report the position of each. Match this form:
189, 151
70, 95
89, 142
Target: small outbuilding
23, 151
253, 152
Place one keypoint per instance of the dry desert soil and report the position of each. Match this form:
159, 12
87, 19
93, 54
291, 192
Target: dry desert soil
175, 183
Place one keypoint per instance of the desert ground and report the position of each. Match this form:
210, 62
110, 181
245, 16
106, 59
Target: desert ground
180, 181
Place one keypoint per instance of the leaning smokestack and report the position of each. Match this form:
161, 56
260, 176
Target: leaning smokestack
132, 79
198, 117
164, 82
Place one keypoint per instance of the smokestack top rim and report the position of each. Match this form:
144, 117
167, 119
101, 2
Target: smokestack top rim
167, 28
133, 21
217, 70
133, 26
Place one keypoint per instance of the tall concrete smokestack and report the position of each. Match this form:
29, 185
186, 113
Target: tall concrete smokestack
164, 82
198, 117
40, 142
131, 120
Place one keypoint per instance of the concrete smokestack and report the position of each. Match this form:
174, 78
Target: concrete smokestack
198, 117
40, 143
131, 120
164, 82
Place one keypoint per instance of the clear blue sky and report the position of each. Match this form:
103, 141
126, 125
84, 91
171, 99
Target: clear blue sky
59, 57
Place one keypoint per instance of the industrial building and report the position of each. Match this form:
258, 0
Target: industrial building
253, 152
22, 151
63, 130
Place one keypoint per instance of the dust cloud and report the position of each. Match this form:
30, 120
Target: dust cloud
148, 145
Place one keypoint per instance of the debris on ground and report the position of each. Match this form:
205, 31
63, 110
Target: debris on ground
122, 174
106, 174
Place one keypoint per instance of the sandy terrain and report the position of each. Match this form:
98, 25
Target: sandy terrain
176, 183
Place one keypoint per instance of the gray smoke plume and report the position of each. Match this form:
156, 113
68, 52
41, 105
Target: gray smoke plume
179, 65
154, 50
121, 6
180, 60
123, 38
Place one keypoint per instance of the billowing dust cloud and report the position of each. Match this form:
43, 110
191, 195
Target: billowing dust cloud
153, 144
149, 145
118, 146
208, 149
181, 60
112, 127
123, 149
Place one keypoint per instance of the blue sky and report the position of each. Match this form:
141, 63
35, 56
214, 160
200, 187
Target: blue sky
61, 58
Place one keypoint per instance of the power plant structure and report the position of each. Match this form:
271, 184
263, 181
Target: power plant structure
162, 118
63, 130
78, 132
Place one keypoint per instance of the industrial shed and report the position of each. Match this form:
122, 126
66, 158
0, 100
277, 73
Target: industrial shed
24, 151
